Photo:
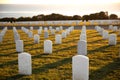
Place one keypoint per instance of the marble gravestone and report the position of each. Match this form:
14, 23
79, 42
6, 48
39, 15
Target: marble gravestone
48, 46
105, 34
31, 28
61, 28
112, 39
19, 46
45, 29
82, 47
80, 67
46, 35
57, 29
39, 31
52, 31
64, 35
50, 27
24, 63
83, 37
58, 39
30, 34
115, 28
16, 37
36, 38
110, 27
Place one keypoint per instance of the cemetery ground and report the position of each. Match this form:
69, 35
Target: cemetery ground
104, 59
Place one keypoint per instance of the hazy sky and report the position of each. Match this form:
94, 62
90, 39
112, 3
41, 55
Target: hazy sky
66, 7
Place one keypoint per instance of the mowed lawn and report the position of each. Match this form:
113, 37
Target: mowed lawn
104, 59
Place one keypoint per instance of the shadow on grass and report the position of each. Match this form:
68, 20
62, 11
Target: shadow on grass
98, 49
14, 62
90, 33
95, 41
7, 44
105, 70
46, 67
8, 54
93, 36
112, 32
31, 44
37, 48
9, 48
71, 41
66, 48
15, 77
39, 55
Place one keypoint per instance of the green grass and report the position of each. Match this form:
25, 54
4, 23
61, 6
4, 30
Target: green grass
104, 60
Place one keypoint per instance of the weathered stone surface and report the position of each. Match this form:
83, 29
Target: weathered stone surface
24, 63
80, 67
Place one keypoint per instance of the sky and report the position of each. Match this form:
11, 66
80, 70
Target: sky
17, 8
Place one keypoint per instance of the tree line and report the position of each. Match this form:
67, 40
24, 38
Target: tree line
94, 16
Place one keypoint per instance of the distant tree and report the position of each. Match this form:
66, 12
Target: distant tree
76, 17
85, 17
11, 19
113, 16
94, 16
102, 15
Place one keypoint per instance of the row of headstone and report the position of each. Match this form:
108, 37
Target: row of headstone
16, 35
2, 33
67, 31
27, 31
114, 28
112, 38
80, 62
82, 43
58, 39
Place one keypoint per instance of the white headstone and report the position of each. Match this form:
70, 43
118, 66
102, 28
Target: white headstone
16, 37
110, 27
82, 47
61, 28
19, 46
48, 46
52, 31
64, 35
31, 28
80, 67
101, 31
46, 35
105, 34
57, 29
30, 34
115, 28
40, 27
83, 37
36, 38
24, 63
50, 27
58, 39
39, 31
45, 29
112, 39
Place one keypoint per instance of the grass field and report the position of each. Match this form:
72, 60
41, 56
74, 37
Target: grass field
104, 59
